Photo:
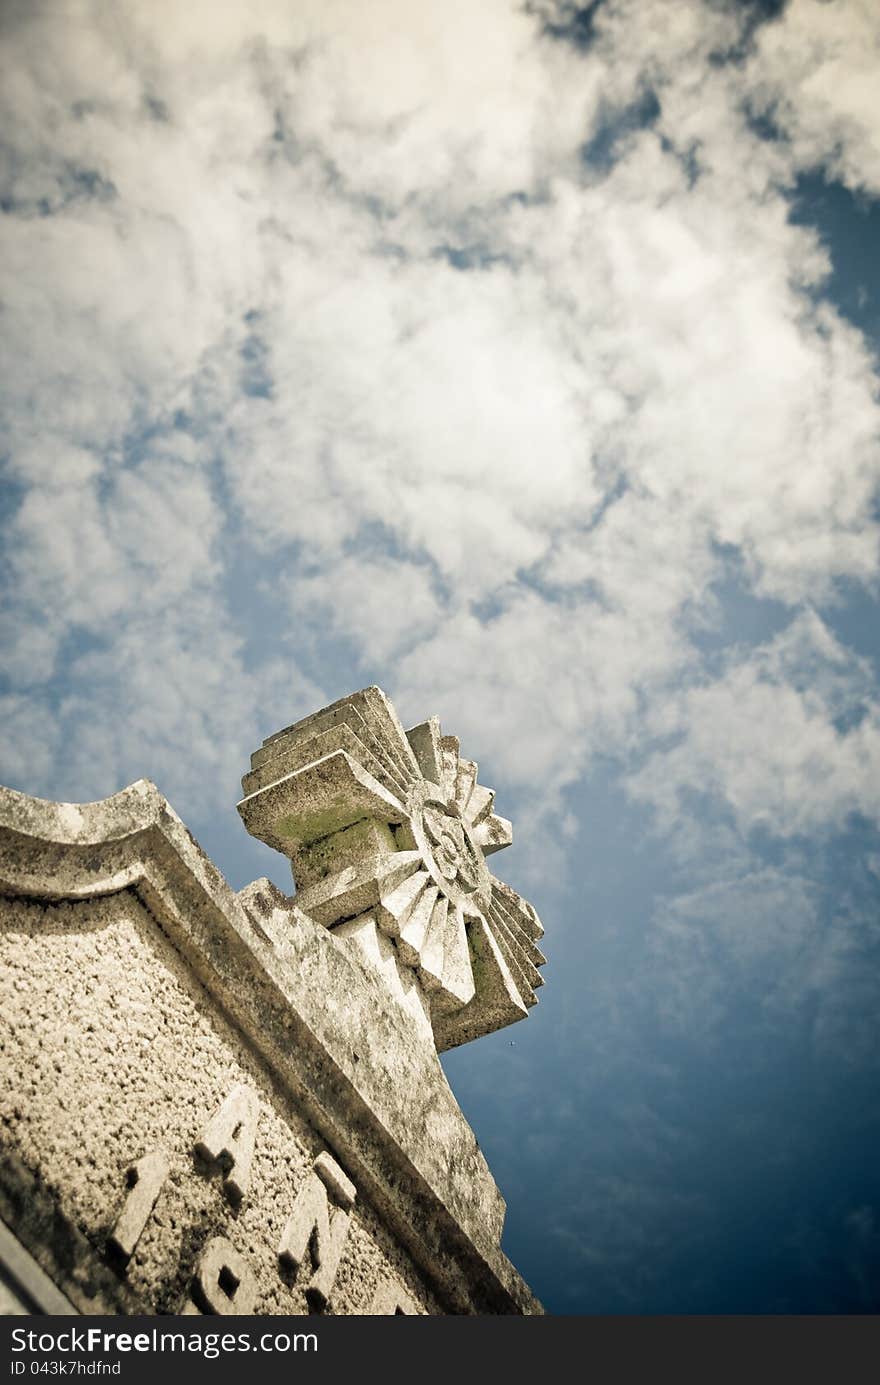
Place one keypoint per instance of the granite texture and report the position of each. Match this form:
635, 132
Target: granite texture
139, 993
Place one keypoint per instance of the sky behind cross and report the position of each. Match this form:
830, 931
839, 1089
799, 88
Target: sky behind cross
521, 359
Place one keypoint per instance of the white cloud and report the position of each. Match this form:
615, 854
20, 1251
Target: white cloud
815, 74
329, 357
395, 601
170, 697
30, 742
555, 440
788, 736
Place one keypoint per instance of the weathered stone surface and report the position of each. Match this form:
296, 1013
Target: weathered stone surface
394, 824
233, 1051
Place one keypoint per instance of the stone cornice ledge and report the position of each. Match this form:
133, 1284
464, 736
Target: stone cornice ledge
339, 1042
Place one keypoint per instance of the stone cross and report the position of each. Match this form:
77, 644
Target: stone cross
388, 832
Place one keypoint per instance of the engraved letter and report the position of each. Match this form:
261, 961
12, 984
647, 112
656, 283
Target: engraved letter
314, 1221
144, 1180
229, 1137
224, 1282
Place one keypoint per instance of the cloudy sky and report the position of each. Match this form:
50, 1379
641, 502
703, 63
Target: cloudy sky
520, 358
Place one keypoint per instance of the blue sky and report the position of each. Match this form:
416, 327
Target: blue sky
522, 360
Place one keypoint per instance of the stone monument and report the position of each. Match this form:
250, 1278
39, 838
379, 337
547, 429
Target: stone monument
223, 1103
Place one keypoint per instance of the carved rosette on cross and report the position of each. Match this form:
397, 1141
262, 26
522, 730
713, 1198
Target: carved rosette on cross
387, 832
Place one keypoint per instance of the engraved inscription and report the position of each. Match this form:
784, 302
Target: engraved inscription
319, 1222
144, 1181
314, 1221
224, 1282
228, 1140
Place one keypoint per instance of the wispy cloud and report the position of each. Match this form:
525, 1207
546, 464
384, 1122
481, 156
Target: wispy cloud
475, 350
337, 272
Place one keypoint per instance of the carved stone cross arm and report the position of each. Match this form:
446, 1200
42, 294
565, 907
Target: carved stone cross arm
387, 832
